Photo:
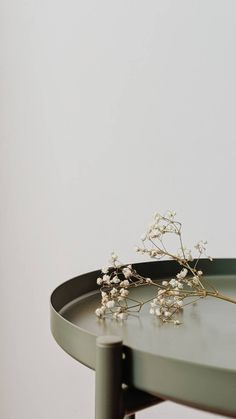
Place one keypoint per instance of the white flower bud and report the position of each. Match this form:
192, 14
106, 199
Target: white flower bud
115, 280
124, 292
158, 312
173, 282
195, 280
98, 312
182, 274
165, 283
127, 272
125, 283
106, 278
114, 291
110, 304
99, 281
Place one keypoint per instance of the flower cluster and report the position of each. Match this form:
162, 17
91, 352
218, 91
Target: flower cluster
169, 296
115, 282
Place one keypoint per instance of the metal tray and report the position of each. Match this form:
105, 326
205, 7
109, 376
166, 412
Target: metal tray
194, 363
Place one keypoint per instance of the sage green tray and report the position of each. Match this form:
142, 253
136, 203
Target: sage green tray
193, 364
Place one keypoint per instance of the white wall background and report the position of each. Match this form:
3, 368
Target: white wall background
109, 111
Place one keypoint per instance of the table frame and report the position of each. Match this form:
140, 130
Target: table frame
113, 399
132, 378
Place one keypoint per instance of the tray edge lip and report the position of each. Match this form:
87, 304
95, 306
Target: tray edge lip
56, 314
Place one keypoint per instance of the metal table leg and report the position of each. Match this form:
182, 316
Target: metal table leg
108, 399
112, 401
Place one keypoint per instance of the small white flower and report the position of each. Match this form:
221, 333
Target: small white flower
105, 269
180, 286
151, 311
148, 280
195, 280
104, 294
167, 313
201, 246
98, 312
182, 274
124, 292
115, 280
114, 257
173, 282
170, 214
158, 312
114, 291
153, 304
161, 292
157, 216
125, 283
110, 304
106, 278
165, 283
127, 272
176, 322
199, 273
179, 303
117, 264
99, 281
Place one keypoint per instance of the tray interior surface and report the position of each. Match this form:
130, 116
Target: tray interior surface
207, 335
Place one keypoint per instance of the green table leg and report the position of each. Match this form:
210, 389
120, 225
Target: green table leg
112, 399
108, 398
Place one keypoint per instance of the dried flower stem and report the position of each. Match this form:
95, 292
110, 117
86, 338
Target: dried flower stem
117, 279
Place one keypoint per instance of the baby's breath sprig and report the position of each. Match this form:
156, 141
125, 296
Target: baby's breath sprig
115, 283
169, 297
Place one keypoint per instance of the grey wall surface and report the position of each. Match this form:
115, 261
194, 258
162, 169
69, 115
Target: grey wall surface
109, 110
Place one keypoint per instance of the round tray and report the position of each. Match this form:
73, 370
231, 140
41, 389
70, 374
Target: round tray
194, 363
